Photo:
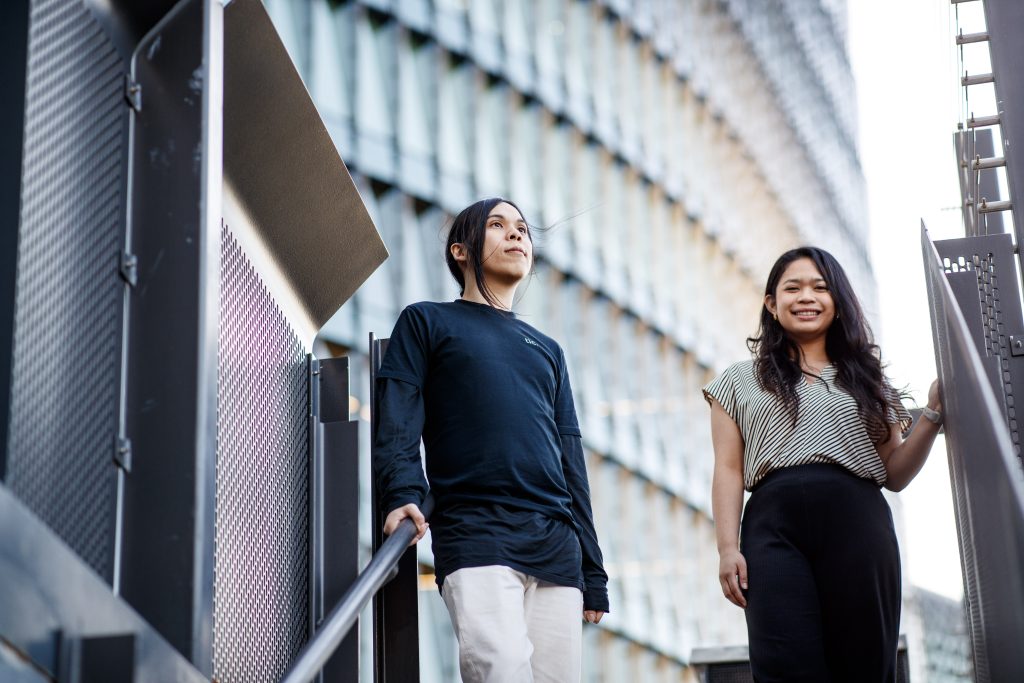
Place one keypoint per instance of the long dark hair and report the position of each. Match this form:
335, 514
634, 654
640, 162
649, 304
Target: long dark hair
468, 229
848, 343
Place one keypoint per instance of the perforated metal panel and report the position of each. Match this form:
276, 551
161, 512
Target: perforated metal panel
990, 259
261, 564
66, 365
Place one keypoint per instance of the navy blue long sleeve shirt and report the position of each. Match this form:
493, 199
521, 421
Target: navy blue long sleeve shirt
491, 399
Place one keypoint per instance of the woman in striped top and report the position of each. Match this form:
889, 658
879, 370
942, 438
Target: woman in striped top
812, 428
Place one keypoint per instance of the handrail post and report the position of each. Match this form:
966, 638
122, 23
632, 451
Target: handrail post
396, 606
344, 615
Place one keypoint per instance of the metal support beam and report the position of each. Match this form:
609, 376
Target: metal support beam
991, 207
991, 162
965, 38
963, 143
977, 80
335, 499
982, 121
1003, 21
14, 32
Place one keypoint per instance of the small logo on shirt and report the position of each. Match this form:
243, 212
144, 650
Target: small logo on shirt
530, 341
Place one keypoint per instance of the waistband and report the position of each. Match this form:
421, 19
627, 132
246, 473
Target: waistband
811, 473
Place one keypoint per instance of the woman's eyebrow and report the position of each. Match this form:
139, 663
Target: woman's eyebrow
520, 221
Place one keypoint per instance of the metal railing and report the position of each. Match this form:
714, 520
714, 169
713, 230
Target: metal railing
382, 568
987, 482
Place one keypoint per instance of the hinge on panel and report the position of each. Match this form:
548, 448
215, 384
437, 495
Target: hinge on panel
123, 453
133, 92
129, 268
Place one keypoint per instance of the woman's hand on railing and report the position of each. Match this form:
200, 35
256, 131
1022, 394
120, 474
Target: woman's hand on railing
410, 511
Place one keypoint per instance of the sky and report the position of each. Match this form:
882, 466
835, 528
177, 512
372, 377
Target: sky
905, 64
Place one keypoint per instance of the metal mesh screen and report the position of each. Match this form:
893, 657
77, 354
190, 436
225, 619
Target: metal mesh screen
66, 365
998, 321
261, 561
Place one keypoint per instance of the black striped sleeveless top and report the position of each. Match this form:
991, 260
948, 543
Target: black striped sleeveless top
828, 429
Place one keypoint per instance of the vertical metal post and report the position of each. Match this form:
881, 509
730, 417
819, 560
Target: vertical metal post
988, 182
168, 530
1003, 21
14, 19
396, 605
335, 498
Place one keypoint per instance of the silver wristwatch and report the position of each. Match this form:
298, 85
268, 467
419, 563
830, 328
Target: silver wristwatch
931, 415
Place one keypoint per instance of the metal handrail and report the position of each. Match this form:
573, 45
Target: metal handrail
381, 569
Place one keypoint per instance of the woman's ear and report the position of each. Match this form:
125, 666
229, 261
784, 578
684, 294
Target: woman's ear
459, 253
769, 303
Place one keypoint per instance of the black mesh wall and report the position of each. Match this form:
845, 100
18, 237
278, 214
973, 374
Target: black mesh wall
261, 561
67, 322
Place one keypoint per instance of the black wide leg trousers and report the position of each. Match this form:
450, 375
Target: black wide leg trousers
823, 604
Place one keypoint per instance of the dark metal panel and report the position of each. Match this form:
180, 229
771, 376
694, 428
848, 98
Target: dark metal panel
65, 370
339, 543
127, 22
261, 615
988, 487
167, 537
53, 603
106, 658
306, 212
395, 606
1004, 19
991, 307
964, 285
14, 23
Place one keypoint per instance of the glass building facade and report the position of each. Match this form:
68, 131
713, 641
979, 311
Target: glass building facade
671, 149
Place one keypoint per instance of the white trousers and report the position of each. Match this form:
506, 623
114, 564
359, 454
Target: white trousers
513, 628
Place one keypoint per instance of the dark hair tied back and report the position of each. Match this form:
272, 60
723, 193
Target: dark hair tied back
469, 229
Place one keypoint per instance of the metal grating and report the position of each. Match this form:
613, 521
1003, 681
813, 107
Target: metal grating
261, 555
985, 469
996, 336
66, 361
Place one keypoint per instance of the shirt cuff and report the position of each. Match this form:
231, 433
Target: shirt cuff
596, 599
